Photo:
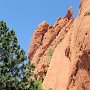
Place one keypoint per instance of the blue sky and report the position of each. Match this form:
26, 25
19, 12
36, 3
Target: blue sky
24, 15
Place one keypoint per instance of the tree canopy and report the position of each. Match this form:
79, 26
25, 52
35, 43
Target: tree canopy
14, 73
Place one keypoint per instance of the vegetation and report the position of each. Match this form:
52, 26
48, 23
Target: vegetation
58, 42
50, 53
61, 40
50, 89
88, 13
14, 73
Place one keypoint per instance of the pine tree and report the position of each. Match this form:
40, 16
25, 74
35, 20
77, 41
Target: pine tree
14, 73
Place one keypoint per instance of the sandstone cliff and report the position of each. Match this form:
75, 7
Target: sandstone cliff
61, 52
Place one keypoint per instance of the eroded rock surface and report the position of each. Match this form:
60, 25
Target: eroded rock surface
44, 41
62, 53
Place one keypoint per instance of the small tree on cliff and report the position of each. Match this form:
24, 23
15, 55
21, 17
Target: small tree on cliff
14, 73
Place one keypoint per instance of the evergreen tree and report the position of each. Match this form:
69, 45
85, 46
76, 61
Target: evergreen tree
14, 73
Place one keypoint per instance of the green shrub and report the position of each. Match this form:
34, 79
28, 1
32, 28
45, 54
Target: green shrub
50, 53
37, 85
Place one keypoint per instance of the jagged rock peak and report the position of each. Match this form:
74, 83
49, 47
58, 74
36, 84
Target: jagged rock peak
37, 38
69, 13
42, 31
44, 41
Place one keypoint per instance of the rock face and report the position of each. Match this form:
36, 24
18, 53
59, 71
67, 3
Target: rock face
61, 52
37, 38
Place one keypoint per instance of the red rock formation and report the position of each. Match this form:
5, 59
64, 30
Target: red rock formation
47, 37
62, 52
37, 38
70, 65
